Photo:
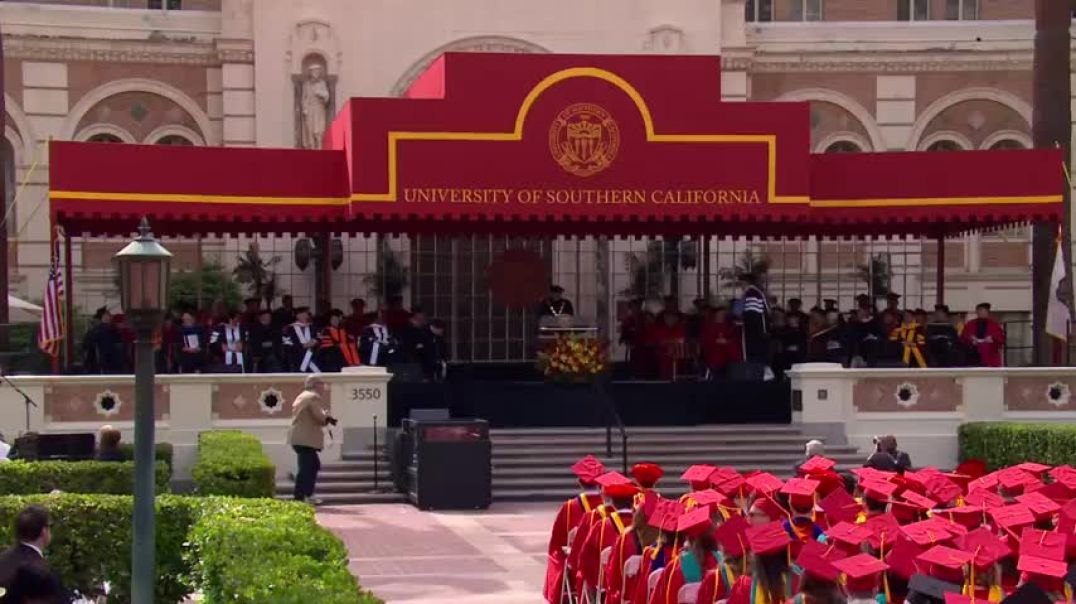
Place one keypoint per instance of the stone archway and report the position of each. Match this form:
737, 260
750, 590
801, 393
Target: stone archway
473, 44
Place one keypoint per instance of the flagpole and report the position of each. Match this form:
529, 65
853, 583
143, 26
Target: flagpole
4, 310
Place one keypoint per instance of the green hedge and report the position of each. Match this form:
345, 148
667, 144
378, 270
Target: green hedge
233, 463
240, 551
19, 477
162, 452
1001, 444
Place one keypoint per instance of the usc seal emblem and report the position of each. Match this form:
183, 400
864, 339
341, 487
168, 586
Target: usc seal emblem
584, 139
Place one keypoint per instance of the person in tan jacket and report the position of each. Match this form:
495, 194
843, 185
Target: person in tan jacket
306, 436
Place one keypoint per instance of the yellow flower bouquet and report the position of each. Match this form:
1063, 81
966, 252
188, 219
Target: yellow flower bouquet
574, 359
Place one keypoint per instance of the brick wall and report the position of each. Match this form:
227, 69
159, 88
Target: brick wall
860, 10
1007, 9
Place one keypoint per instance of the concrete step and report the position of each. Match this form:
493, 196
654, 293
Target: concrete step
642, 430
360, 486
330, 499
698, 453
324, 476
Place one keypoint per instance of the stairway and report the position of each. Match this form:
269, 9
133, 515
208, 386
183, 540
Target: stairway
532, 464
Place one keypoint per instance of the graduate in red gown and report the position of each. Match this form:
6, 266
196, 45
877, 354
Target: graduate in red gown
671, 339
985, 336
819, 583
720, 341
604, 534
582, 530
619, 586
569, 516
698, 556
655, 556
800, 524
771, 580
732, 544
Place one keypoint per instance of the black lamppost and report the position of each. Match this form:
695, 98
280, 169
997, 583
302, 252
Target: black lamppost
144, 267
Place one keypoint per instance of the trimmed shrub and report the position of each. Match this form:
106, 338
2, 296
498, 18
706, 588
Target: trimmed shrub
162, 452
1002, 444
241, 551
233, 463
19, 477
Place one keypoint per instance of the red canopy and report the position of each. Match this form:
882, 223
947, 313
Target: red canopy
553, 145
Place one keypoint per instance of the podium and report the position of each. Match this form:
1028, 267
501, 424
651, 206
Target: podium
449, 464
550, 328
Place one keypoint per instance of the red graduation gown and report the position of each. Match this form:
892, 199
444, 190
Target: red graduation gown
625, 546
715, 586
989, 352
672, 579
650, 552
602, 534
571, 513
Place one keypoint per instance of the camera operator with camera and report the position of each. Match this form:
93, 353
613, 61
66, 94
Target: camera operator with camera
306, 436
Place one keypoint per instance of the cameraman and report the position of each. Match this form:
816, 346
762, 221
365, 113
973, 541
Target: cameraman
309, 417
887, 457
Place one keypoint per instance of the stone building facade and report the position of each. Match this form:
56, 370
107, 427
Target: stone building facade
892, 75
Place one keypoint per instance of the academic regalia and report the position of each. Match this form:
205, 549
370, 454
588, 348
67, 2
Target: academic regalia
377, 347
282, 317
684, 569
975, 335
355, 322
827, 346
942, 345
582, 531
104, 349
721, 345
793, 341
338, 349
601, 535
615, 583
300, 357
910, 336
865, 340
716, 585
264, 347
191, 337
756, 310
670, 348
569, 516
165, 348
655, 557
555, 308
228, 344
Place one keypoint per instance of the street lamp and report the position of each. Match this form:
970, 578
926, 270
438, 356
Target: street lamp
144, 267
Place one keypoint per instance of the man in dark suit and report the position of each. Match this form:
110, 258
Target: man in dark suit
25, 576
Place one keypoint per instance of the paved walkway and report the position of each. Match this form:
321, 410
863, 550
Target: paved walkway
403, 555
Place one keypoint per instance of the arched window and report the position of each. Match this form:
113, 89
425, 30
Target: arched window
174, 139
104, 137
1007, 143
945, 145
843, 147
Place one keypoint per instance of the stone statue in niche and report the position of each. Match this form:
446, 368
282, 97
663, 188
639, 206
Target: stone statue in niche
315, 106
314, 94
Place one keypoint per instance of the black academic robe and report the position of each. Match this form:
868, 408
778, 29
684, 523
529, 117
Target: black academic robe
550, 308
756, 344
377, 346
299, 356
265, 348
104, 350
192, 336
865, 340
228, 346
827, 346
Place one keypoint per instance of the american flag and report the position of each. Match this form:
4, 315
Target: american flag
51, 333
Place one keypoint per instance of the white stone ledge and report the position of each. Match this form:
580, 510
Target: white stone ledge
32, 19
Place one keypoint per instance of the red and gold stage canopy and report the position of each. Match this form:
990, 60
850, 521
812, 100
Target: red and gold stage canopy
554, 145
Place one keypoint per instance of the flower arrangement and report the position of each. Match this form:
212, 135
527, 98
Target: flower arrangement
574, 359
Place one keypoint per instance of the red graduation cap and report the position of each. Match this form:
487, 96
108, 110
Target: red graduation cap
1040, 505
1054, 491
764, 483
698, 475
673, 511
723, 474
926, 533
901, 558
732, 486
695, 522
1015, 480
708, 498
968, 516
732, 536
1042, 544
984, 499
817, 464
955, 528
924, 502
1043, 572
588, 469
907, 512
812, 559
1066, 525
946, 563
610, 478
942, 489
986, 548
865, 474
664, 515
768, 538
647, 474
848, 535
769, 507
1032, 467
800, 492
1012, 516
862, 572
885, 530
878, 490
960, 479
620, 490
648, 502
985, 483
839, 506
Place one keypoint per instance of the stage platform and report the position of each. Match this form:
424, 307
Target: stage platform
512, 396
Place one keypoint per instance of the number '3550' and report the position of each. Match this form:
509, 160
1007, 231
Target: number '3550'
365, 394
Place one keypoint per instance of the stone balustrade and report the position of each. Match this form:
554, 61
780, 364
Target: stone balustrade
187, 405
924, 407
